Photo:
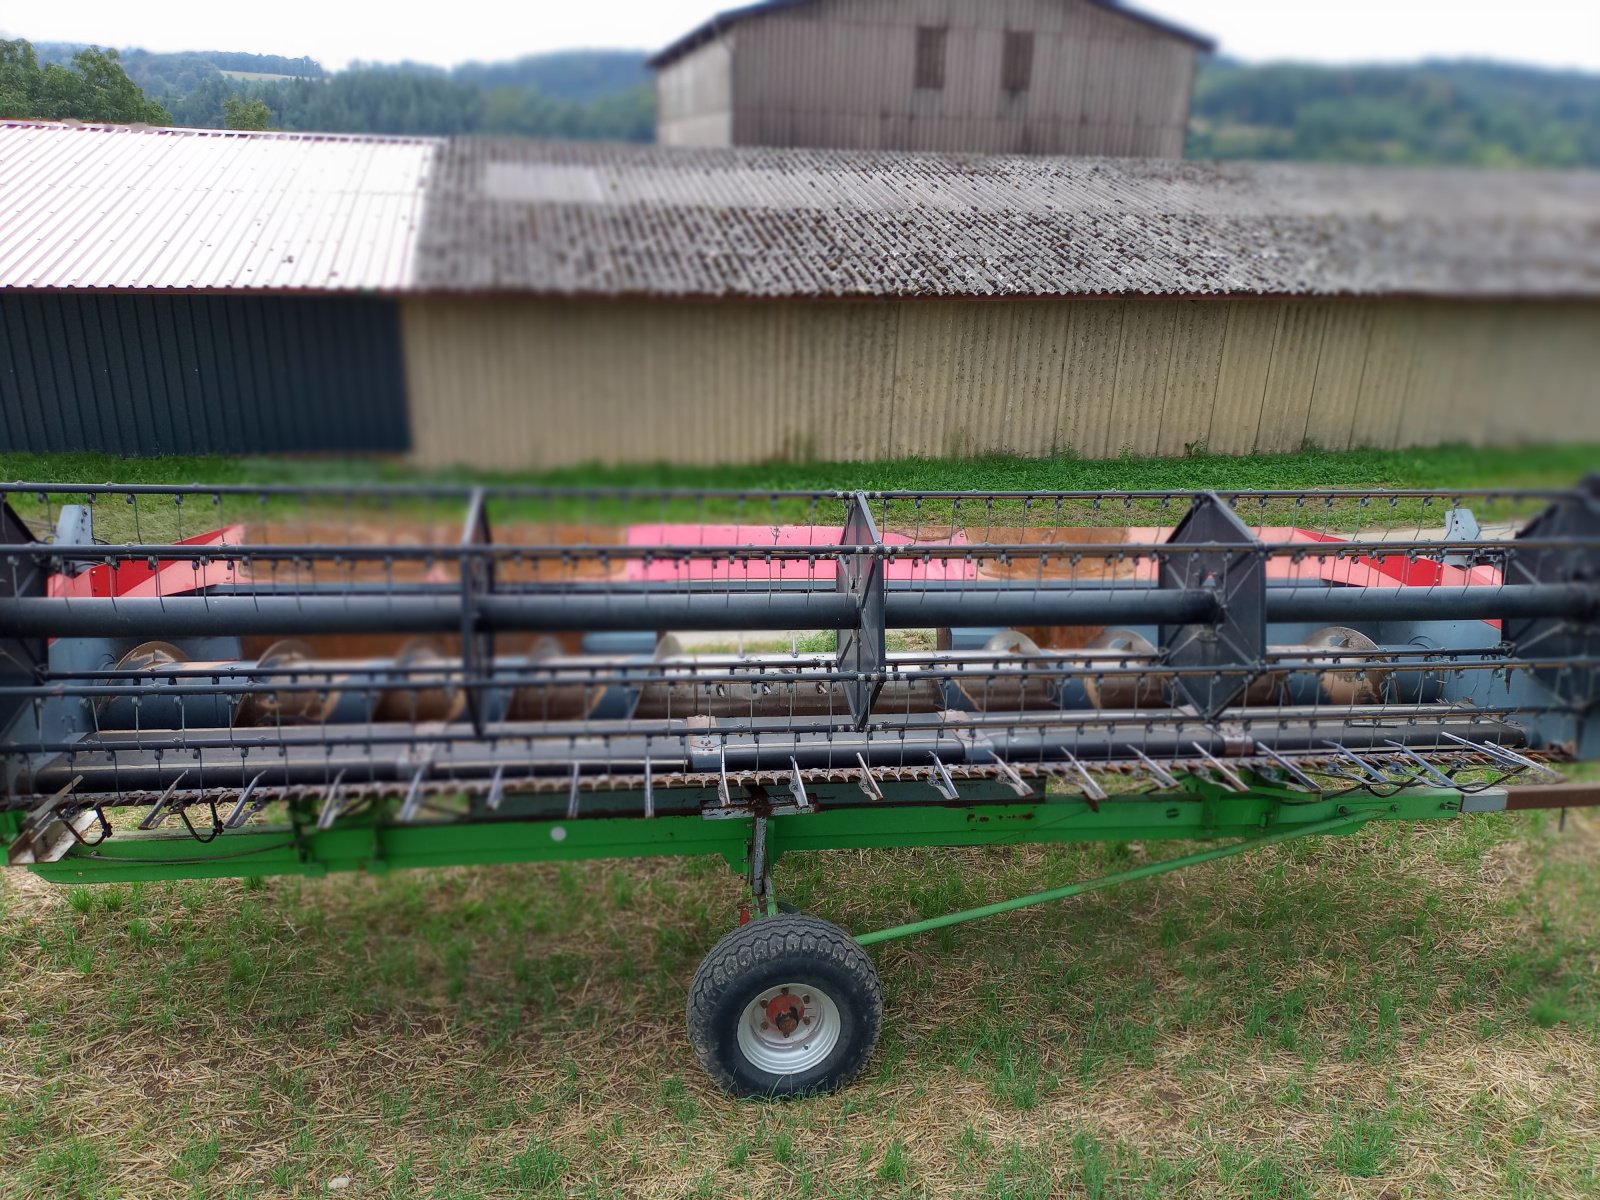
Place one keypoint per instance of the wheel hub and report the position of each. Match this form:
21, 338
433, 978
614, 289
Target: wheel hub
789, 1028
785, 1012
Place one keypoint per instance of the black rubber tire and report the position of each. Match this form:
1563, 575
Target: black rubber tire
781, 949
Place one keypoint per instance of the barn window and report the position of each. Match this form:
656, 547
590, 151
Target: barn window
1016, 61
930, 56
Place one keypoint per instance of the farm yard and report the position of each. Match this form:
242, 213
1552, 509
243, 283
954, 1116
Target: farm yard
1409, 1011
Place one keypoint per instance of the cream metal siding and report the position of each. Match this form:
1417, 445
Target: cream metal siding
525, 382
694, 97
842, 73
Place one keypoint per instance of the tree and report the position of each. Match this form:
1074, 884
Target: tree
239, 112
93, 88
19, 78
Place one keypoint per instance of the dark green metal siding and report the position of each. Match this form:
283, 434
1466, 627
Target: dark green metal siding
132, 373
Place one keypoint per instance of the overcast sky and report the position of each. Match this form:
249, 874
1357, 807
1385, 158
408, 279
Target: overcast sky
1558, 33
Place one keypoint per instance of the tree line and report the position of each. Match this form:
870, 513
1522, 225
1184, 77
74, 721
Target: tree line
577, 94
414, 101
1465, 113
1460, 113
91, 86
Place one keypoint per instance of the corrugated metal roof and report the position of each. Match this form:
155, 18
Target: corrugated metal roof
714, 27
596, 219
119, 207
111, 207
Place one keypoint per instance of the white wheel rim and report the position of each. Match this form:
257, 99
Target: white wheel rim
779, 1051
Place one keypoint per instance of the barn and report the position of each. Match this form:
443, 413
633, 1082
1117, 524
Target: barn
517, 304
992, 76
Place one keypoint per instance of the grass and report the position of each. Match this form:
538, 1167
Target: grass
1414, 1011
438, 518
1409, 1012
1441, 467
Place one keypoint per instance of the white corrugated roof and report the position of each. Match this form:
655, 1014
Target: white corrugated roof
118, 207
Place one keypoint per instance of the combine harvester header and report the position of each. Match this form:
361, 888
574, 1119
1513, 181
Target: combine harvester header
213, 681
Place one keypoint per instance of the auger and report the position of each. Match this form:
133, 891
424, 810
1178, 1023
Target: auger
242, 681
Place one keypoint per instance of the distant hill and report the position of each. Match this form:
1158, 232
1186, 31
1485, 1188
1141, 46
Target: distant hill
599, 94
1472, 113
168, 74
581, 75
1468, 113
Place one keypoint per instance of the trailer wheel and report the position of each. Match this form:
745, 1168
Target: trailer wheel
787, 1005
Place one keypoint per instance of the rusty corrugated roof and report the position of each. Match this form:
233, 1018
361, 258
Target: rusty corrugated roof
615, 220
120, 207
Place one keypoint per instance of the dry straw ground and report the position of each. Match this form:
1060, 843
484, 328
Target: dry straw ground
1409, 1012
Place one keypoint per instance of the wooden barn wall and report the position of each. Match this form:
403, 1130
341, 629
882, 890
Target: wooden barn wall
528, 383
143, 373
842, 74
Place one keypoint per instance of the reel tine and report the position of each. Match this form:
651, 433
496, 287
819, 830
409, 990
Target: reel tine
497, 789
155, 814
940, 779
1294, 772
1507, 756
413, 800
1430, 773
1367, 771
1163, 776
239, 816
333, 806
1091, 786
797, 787
724, 793
1229, 779
37, 822
866, 782
1013, 779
